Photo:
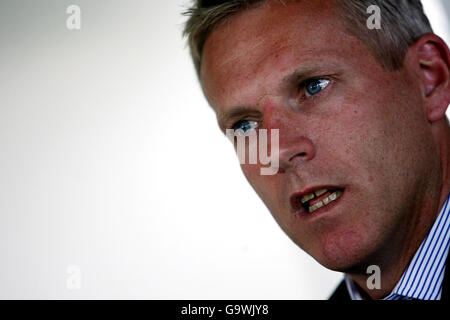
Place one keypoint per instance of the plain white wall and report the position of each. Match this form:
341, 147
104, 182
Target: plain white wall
111, 161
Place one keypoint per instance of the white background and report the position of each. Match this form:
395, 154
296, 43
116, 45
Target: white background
111, 160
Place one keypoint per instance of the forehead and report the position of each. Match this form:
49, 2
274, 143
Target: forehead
267, 40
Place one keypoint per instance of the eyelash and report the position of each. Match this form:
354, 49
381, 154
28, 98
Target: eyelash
301, 88
234, 126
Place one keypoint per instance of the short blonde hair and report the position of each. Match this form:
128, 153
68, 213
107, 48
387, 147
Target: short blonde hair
403, 22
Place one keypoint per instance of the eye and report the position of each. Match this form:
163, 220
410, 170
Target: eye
242, 127
314, 86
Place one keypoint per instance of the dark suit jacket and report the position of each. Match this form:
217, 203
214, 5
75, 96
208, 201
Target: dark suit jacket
341, 293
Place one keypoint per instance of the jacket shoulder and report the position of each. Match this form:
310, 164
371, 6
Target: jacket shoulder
446, 282
340, 293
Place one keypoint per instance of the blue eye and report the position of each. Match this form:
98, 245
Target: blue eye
244, 126
314, 86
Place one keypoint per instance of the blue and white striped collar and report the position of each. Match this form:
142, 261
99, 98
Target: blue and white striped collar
425, 273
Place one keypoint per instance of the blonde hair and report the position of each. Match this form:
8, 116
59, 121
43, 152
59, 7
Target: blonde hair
402, 23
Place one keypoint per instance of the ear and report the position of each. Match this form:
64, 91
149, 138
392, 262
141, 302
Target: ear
431, 57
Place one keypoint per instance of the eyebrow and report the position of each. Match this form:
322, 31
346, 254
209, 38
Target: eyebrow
299, 74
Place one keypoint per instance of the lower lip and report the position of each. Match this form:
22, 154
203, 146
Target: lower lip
303, 214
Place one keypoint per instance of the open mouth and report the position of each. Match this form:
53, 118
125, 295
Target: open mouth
315, 199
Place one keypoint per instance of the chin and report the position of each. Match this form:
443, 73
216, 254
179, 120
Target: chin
344, 251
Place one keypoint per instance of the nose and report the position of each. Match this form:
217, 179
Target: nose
295, 150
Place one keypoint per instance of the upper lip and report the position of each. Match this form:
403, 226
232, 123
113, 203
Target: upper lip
296, 196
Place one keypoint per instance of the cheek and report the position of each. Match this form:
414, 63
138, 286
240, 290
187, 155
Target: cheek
362, 130
383, 131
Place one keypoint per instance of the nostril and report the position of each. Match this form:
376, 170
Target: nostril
301, 155
296, 151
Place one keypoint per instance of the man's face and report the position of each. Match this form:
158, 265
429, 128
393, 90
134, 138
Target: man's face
345, 124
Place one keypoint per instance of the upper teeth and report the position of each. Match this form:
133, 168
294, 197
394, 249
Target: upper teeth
307, 197
311, 195
335, 195
320, 192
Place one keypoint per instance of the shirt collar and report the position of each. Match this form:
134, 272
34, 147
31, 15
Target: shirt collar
425, 273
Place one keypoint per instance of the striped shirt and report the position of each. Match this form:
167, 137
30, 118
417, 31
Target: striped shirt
423, 278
